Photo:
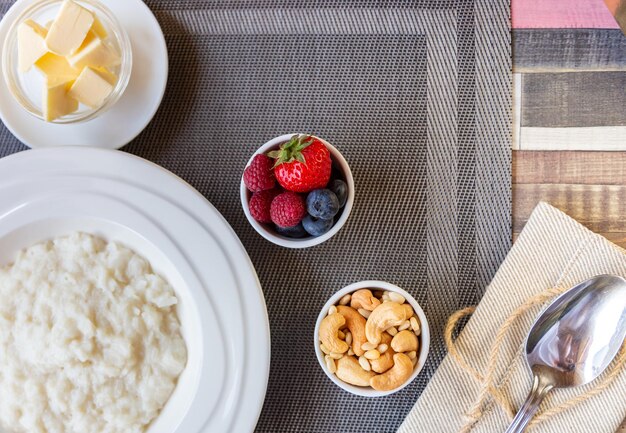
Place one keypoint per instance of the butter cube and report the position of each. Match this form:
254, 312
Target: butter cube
98, 28
94, 52
107, 75
92, 87
56, 100
31, 44
56, 67
69, 29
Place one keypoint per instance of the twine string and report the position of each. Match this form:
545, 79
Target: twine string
487, 379
453, 351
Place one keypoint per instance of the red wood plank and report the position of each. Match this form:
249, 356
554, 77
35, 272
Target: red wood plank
557, 14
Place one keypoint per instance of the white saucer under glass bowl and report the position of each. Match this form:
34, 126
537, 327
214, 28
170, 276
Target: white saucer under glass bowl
48, 193
128, 111
26, 86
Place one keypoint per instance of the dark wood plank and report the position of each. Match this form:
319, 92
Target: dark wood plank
585, 168
573, 99
561, 50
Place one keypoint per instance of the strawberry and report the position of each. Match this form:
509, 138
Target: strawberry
260, 204
287, 209
302, 164
259, 175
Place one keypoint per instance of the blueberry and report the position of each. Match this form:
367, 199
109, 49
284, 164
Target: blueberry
296, 231
316, 227
322, 204
340, 188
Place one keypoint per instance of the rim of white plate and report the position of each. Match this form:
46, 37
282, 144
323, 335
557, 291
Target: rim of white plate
75, 159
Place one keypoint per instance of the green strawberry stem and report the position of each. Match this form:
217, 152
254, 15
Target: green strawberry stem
291, 150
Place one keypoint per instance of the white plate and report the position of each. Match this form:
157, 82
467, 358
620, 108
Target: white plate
129, 116
51, 192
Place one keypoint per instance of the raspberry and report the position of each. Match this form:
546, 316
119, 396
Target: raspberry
287, 209
259, 175
260, 204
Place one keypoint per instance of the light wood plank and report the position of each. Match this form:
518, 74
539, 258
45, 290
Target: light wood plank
601, 208
617, 238
587, 185
608, 138
587, 168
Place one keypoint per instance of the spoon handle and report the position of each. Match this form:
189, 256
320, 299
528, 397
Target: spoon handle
541, 387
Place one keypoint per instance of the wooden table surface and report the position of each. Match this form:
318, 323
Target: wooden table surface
588, 186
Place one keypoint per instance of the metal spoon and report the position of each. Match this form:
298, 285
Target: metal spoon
574, 340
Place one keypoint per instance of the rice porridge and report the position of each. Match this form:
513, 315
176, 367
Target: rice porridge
89, 339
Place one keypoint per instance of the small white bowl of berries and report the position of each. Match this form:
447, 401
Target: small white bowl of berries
297, 191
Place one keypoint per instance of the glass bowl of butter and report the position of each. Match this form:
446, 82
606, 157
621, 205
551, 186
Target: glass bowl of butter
67, 61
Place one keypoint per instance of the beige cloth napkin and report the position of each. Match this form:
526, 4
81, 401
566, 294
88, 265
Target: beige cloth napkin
552, 250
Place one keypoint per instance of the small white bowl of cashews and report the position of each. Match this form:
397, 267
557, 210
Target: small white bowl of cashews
372, 338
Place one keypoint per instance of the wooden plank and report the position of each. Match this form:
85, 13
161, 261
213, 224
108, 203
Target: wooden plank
573, 99
589, 186
517, 111
586, 168
599, 138
617, 238
548, 50
599, 207
558, 14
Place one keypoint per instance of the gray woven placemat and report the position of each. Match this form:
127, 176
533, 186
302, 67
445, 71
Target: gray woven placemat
416, 95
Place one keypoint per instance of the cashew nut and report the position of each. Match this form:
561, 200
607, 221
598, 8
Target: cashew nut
364, 363
408, 310
385, 362
404, 341
404, 326
394, 377
330, 364
397, 297
365, 313
345, 300
368, 346
329, 330
372, 354
364, 299
415, 325
350, 371
384, 317
356, 325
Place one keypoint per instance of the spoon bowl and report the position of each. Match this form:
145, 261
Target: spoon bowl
574, 340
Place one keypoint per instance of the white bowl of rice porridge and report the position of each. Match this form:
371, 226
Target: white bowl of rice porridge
53, 193
90, 334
